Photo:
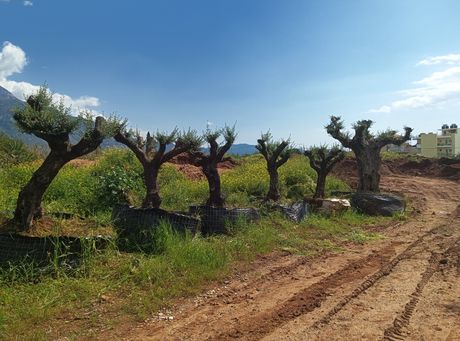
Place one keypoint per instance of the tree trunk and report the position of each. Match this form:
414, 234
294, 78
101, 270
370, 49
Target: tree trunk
369, 162
30, 198
152, 195
215, 193
320, 186
274, 188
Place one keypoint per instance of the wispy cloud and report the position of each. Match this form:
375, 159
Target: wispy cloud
436, 89
28, 3
446, 59
13, 60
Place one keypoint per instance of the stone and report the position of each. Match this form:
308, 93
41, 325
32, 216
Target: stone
333, 206
378, 204
296, 211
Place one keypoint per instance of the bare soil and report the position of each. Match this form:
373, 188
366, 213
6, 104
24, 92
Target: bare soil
403, 287
184, 164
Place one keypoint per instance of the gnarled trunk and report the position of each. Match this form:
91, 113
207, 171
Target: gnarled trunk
369, 161
274, 187
215, 193
30, 198
152, 190
320, 186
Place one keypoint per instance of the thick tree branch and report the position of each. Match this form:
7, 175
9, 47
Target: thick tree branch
179, 148
278, 150
122, 138
334, 128
262, 148
284, 158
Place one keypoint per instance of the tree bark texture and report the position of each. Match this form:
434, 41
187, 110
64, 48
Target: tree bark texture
320, 185
274, 187
30, 198
152, 189
369, 161
215, 192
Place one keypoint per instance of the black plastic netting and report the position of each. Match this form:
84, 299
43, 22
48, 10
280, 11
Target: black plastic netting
219, 220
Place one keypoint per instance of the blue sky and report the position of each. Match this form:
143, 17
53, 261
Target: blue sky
279, 65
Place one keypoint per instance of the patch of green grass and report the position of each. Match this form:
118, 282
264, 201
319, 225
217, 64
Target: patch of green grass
348, 226
142, 283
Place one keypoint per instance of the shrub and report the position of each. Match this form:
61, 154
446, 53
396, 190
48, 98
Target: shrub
14, 151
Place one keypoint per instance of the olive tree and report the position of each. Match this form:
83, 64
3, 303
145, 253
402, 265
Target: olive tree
276, 154
152, 154
322, 160
54, 123
366, 148
208, 161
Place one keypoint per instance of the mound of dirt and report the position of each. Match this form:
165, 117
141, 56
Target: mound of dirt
434, 168
184, 164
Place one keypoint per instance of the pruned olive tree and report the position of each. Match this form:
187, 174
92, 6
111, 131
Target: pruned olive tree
276, 154
152, 154
322, 160
366, 148
208, 161
53, 122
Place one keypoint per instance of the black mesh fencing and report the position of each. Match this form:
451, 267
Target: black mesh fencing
219, 220
126, 217
136, 226
14, 247
133, 223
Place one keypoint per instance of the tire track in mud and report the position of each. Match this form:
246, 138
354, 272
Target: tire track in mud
312, 297
308, 299
402, 321
374, 278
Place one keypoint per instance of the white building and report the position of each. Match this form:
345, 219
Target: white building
445, 144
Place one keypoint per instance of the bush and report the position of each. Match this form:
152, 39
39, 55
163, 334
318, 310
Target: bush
14, 151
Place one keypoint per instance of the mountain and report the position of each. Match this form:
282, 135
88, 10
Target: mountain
242, 149
7, 103
238, 149
7, 125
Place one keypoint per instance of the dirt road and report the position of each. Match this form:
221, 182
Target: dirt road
404, 287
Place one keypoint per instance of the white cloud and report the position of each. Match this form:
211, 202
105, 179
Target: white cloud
28, 3
446, 59
13, 60
435, 90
